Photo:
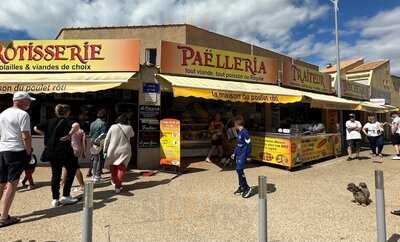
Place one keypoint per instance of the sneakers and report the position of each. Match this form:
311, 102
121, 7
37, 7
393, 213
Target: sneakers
238, 192
396, 212
396, 157
247, 193
55, 203
118, 190
68, 200
97, 180
208, 160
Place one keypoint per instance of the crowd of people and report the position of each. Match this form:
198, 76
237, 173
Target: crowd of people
374, 131
64, 144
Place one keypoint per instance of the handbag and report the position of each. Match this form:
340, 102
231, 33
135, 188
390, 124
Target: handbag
45, 156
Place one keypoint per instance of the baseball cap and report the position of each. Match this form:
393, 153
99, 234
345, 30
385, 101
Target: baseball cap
352, 115
22, 95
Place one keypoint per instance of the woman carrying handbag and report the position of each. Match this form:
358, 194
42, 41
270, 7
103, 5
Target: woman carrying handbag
117, 150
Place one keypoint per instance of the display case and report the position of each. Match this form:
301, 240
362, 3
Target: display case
194, 139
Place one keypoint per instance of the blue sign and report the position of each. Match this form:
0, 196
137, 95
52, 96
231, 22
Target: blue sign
151, 88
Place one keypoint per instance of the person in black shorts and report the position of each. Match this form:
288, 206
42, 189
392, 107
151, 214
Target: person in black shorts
15, 151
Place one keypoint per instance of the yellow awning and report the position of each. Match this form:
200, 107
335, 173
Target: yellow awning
331, 102
373, 107
233, 91
62, 82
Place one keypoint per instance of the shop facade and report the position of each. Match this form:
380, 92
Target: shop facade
189, 74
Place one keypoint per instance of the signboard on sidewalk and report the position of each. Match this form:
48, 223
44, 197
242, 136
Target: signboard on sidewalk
149, 126
170, 140
69, 55
190, 60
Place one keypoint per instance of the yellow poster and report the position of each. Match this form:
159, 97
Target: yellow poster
170, 142
315, 147
272, 150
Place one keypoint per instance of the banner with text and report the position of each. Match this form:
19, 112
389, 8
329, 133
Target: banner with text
355, 90
89, 55
199, 61
306, 78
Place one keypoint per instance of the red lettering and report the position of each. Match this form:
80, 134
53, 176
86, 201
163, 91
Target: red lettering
262, 68
2, 58
238, 63
49, 50
227, 63
95, 52
76, 53
208, 59
187, 54
197, 58
7, 52
247, 66
30, 47
59, 53
219, 61
37, 51
22, 50
86, 48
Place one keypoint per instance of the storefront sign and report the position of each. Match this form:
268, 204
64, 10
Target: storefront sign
355, 90
53, 87
70, 55
314, 147
151, 92
192, 60
149, 126
308, 79
272, 150
170, 141
235, 96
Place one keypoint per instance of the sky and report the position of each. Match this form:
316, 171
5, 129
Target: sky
303, 29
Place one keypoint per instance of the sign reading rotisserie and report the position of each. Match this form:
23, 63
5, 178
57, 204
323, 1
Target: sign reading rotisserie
69, 55
213, 63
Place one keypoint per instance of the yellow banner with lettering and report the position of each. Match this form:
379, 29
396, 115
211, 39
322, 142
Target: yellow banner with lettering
234, 96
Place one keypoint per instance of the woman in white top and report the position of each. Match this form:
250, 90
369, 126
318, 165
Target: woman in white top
117, 148
374, 132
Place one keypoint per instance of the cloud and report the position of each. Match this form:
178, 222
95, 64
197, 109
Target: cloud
256, 20
378, 37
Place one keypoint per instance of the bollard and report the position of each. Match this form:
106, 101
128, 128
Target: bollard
380, 206
87, 217
262, 209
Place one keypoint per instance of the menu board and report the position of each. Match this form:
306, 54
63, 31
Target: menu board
149, 126
170, 140
314, 147
272, 150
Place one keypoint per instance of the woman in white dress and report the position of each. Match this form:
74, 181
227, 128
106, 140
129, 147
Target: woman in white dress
117, 148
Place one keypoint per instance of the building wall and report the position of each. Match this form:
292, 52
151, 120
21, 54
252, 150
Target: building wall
382, 80
150, 36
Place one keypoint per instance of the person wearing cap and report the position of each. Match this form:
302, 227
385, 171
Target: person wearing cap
15, 151
395, 127
353, 136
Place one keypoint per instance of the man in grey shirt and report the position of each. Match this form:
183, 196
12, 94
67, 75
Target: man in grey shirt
15, 151
98, 128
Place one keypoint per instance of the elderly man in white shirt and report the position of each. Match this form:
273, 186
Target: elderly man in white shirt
353, 136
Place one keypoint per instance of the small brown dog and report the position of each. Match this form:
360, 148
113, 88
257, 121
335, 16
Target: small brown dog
361, 194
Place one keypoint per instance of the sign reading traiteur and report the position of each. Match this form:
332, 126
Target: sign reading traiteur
199, 61
89, 55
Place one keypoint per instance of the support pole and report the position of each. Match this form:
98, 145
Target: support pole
380, 206
262, 209
87, 216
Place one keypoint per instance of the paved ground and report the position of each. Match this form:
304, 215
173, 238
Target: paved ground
311, 204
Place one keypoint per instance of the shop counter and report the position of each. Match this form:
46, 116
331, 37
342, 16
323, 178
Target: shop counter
294, 150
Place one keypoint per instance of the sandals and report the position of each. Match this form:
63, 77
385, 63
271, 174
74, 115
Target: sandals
9, 221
